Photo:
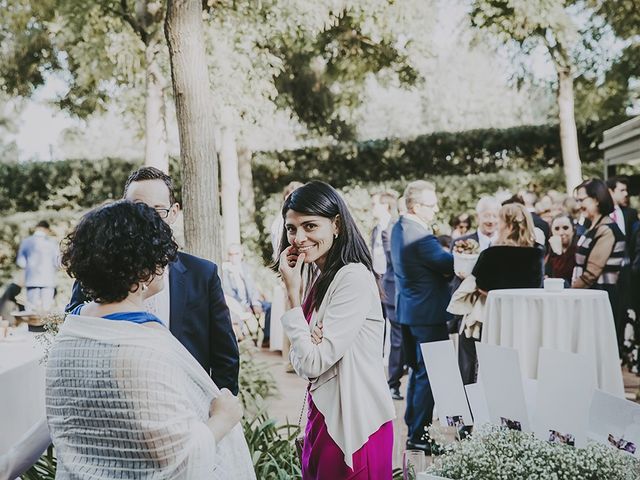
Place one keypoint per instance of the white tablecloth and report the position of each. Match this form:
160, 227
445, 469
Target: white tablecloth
578, 321
22, 386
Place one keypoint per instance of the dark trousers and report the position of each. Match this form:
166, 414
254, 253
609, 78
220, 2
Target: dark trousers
467, 359
266, 308
396, 355
420, 403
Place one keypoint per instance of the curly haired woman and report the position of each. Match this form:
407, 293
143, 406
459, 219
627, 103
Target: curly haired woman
124, 398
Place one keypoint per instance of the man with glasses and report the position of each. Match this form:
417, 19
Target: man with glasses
192, 303
422, 270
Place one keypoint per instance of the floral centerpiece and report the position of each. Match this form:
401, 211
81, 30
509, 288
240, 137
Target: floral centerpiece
495, 452
465, 255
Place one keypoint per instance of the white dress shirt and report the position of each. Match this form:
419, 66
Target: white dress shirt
618, 217
484, 241
160, 303
419, 221
377, 251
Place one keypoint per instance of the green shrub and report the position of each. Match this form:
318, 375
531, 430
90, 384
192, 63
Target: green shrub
66, 184
442, 153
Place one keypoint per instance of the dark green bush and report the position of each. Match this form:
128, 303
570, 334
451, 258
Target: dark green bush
66, 184
442, 153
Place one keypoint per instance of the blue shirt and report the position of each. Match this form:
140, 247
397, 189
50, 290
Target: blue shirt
40, 257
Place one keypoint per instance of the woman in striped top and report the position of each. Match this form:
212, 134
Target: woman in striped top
600, 250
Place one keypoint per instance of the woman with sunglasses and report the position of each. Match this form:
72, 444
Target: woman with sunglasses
600, 250
562, 257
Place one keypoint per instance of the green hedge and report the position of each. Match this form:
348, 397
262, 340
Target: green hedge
65, 184
464, 166
79, 183
444, 153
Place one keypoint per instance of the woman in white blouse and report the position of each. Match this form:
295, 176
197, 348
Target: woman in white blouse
336, 330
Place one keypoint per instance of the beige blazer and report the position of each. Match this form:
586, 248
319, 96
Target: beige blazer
346, 370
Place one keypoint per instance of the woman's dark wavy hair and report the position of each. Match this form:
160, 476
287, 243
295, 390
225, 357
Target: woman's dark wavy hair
597, 189
321, 199
115, 247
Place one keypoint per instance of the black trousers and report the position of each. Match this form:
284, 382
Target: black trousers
467, 359
396, 355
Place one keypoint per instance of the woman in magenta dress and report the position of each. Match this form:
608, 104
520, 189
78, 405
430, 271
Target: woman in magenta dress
336, 327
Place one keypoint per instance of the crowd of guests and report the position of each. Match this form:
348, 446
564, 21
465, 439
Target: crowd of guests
143, 374
589, 239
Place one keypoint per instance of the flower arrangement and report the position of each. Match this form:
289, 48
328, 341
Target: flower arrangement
494, 453
465, 254
468, 247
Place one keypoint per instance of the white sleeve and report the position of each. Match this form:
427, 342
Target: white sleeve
343, 318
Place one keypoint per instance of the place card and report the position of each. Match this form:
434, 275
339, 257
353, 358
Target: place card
499, 371
478, 403
446, 383
566, 382
615, 422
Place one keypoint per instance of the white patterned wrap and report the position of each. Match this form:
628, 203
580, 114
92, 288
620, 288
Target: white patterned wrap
128, 401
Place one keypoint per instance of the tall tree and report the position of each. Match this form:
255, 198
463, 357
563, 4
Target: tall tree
103, 48
605, 100
551, 25
184, 31
305, 58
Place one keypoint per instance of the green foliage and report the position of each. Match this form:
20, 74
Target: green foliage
607, 98
530, 23
44, 469
255, 381
442, 153
272, 448
321, 76
67, 184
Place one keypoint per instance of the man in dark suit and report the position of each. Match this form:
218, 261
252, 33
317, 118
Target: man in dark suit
487, 210
625, 216
422, 271
627, 219
192, 303
384, 209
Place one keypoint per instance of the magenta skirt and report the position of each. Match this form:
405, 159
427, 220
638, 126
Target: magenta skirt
322, 459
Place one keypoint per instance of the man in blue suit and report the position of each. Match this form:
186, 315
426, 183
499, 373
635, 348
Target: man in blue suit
192, 302
422, 270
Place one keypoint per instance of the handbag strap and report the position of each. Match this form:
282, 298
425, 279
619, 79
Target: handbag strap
304, 403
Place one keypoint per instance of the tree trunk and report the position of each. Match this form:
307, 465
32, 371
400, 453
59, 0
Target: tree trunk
568, 131
185, 37
156, 151
230, 186
248, 206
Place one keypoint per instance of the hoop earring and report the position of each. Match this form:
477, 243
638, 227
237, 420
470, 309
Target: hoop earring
335, 235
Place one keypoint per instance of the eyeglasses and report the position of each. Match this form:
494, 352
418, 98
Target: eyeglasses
581, 199
561, 227
163, 212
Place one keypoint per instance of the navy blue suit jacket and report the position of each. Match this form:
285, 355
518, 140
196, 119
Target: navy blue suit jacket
423, 270
199, 317
389, 277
